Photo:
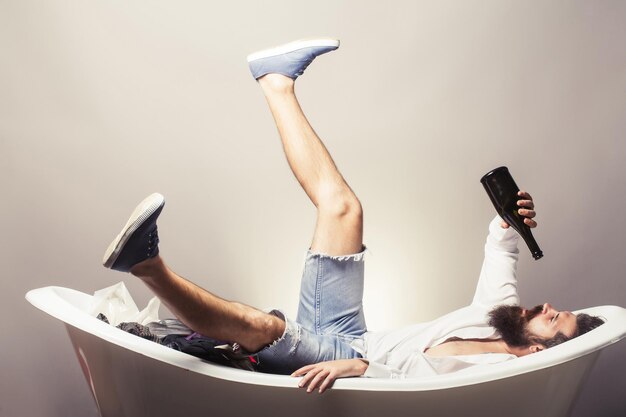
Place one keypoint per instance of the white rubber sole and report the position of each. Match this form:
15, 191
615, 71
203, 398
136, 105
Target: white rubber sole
144, 210
292, 46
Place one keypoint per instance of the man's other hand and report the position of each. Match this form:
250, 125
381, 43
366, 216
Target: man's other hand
324, 373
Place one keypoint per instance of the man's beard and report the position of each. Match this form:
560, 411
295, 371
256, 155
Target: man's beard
511, 325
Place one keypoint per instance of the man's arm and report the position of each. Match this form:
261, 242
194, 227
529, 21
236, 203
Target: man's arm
498, 282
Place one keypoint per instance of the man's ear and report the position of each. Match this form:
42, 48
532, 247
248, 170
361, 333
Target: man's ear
526, 350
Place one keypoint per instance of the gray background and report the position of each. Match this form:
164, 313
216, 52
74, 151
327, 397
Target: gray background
104, 102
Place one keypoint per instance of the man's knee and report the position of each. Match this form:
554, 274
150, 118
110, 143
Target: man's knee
267, 327
340, 203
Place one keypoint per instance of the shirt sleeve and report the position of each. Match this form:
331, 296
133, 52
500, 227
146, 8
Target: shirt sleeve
497, 283
378, 370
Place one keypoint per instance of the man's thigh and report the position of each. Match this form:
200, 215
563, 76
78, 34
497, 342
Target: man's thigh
331, 294
298, 347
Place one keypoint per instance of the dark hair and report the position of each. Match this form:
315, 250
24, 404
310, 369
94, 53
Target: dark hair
584, 323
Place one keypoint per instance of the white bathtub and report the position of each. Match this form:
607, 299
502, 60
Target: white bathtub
133, 377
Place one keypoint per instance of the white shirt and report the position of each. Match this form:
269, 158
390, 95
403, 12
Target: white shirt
400, 353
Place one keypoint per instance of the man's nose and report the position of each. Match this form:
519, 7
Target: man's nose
547, 308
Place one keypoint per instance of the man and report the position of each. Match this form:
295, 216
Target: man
329, 338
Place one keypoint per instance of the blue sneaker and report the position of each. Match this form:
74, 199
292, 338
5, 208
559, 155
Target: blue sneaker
138, 240
290, 59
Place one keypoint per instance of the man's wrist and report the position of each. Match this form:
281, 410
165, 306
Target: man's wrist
362, 365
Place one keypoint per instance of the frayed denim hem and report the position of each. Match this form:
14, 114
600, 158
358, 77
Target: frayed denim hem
356, 257
279, 356
292, 331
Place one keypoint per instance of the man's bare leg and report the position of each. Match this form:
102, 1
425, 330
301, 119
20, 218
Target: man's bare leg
339, 228
207, 313
135, 249
338, 232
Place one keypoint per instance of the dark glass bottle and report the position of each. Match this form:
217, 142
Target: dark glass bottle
502, 191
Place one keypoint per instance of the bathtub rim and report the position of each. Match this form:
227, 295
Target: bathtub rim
61, 303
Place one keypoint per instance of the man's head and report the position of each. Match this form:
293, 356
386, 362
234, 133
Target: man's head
529, 331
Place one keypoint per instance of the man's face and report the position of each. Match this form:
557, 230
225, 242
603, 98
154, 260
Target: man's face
545, 322
516, 324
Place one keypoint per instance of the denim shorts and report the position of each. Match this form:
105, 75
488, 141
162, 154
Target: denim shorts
330, 315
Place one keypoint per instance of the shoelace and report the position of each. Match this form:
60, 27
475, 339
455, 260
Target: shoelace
153, 243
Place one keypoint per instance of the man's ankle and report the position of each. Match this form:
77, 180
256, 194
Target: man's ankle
148, 267
276, 83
